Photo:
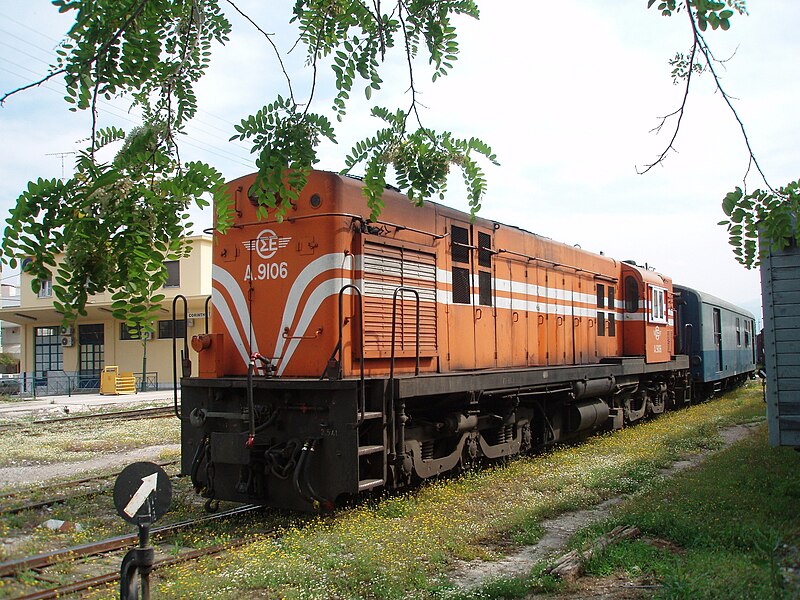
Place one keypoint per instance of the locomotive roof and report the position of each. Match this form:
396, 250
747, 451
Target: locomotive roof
705, 298
449, 211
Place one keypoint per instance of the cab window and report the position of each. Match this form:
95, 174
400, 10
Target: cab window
658, 304
631, 294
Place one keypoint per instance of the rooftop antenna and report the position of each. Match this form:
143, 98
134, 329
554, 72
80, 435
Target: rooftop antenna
62, 155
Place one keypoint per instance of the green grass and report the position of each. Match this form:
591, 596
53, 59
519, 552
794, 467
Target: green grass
731, 523
82, 440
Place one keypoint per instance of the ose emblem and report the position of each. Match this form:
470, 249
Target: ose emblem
267, 244
657, 333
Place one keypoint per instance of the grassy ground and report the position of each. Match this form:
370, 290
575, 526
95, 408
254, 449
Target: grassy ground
728, 529
403, 546
82, 440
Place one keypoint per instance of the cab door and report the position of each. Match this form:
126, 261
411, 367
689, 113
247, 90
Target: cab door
538, 320
484, 301
460, 310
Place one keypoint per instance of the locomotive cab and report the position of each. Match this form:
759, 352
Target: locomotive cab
648, 320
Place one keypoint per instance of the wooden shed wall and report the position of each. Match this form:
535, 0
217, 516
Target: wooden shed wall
780, 286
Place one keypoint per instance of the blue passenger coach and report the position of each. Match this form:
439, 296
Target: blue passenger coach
719, 338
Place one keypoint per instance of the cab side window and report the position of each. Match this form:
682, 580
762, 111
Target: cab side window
658, 304
631, 294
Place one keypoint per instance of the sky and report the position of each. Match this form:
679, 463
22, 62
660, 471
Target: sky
566, 94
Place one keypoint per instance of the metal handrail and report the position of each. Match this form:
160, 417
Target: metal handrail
338, 348
186, 363
397, 446
361, 388
205, 310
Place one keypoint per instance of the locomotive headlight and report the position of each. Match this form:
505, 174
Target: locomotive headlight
315, 201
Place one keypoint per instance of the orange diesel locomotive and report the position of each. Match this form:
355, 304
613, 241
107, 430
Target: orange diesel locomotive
347, 354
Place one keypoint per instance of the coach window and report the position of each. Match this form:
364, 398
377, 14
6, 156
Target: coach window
612, 325
611, 298
601, 323
747, 334
631, 294
459, 252
601, 295
738, 331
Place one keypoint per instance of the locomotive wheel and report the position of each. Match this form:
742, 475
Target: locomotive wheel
471, 455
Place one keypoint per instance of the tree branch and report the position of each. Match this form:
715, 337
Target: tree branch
753, 160
682, 109
699, 43
44, 79
274, 47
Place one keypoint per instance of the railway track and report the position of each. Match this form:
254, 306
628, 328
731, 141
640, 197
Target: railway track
131, 414
9, 508
36, 564
111, 577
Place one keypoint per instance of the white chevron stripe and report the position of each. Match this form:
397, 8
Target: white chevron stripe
221, 307
326, 262
227, 281
327, 288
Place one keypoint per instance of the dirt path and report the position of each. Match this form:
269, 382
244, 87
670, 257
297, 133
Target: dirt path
44, 473
557, 531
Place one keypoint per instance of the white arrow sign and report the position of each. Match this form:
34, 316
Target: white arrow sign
148, 487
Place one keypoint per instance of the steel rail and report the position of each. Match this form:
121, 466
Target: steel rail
63, 484
109, 545
141, 413
106, 578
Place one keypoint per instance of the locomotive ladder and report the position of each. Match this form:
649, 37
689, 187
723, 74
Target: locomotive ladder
370, 424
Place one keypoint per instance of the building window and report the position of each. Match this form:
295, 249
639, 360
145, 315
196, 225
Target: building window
173, 273
45, 288
127, 332
165, 329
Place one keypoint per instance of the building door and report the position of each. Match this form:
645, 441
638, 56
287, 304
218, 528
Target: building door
92, 355
48, 353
